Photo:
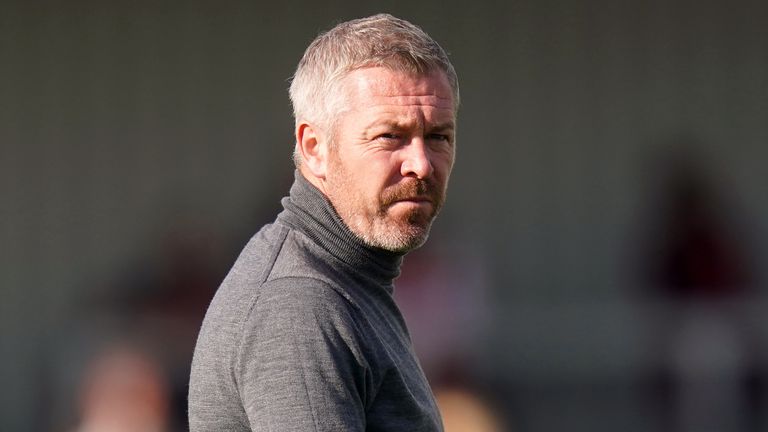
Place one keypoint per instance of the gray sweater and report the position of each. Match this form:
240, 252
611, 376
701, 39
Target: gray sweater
304, 335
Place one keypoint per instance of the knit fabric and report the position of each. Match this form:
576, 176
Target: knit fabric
304, 334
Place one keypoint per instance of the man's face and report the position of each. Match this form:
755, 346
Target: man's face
392, 154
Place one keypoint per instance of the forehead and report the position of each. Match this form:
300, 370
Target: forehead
381, 87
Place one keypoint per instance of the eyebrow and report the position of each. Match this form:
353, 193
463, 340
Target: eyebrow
445, 126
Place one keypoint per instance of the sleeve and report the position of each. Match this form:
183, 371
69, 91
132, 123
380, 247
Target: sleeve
300, 365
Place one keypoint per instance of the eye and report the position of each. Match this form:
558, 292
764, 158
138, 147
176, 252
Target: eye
443, 138
387, 136
389, 139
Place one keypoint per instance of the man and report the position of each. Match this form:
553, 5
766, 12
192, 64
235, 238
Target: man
304, 334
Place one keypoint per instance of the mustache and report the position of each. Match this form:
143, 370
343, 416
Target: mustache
413, 189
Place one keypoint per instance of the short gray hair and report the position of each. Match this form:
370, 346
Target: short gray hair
378, 40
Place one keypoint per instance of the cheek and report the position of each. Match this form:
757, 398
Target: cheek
442, 164
364, 181
381, 171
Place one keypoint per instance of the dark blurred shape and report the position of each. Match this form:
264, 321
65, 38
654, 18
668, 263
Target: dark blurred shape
124, 390
153, 311
168, 297
699, 256
709, 379
177, 280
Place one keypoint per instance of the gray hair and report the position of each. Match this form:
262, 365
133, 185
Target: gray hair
378, 40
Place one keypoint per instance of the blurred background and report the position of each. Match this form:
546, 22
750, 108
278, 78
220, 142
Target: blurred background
598, 265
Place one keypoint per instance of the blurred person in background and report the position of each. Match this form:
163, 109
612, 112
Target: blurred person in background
124, 390
304, 333
465, 410
701, 266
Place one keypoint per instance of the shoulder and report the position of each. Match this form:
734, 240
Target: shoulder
301, 361
301, 318
257, 258
302, 311
302, 302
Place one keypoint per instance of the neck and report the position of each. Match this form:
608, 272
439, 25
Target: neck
308, 210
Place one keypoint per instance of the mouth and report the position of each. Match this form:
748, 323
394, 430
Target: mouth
421, 205
417, 199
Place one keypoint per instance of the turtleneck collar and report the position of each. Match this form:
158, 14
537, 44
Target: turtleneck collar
309, 211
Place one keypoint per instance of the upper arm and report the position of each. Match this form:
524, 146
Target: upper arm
300, 364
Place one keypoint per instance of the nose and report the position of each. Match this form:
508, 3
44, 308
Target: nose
416, 160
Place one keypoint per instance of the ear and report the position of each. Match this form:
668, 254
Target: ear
313, 149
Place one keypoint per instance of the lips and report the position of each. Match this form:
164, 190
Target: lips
419, 199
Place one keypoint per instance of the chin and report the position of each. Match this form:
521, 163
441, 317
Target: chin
401, 239
416, 216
